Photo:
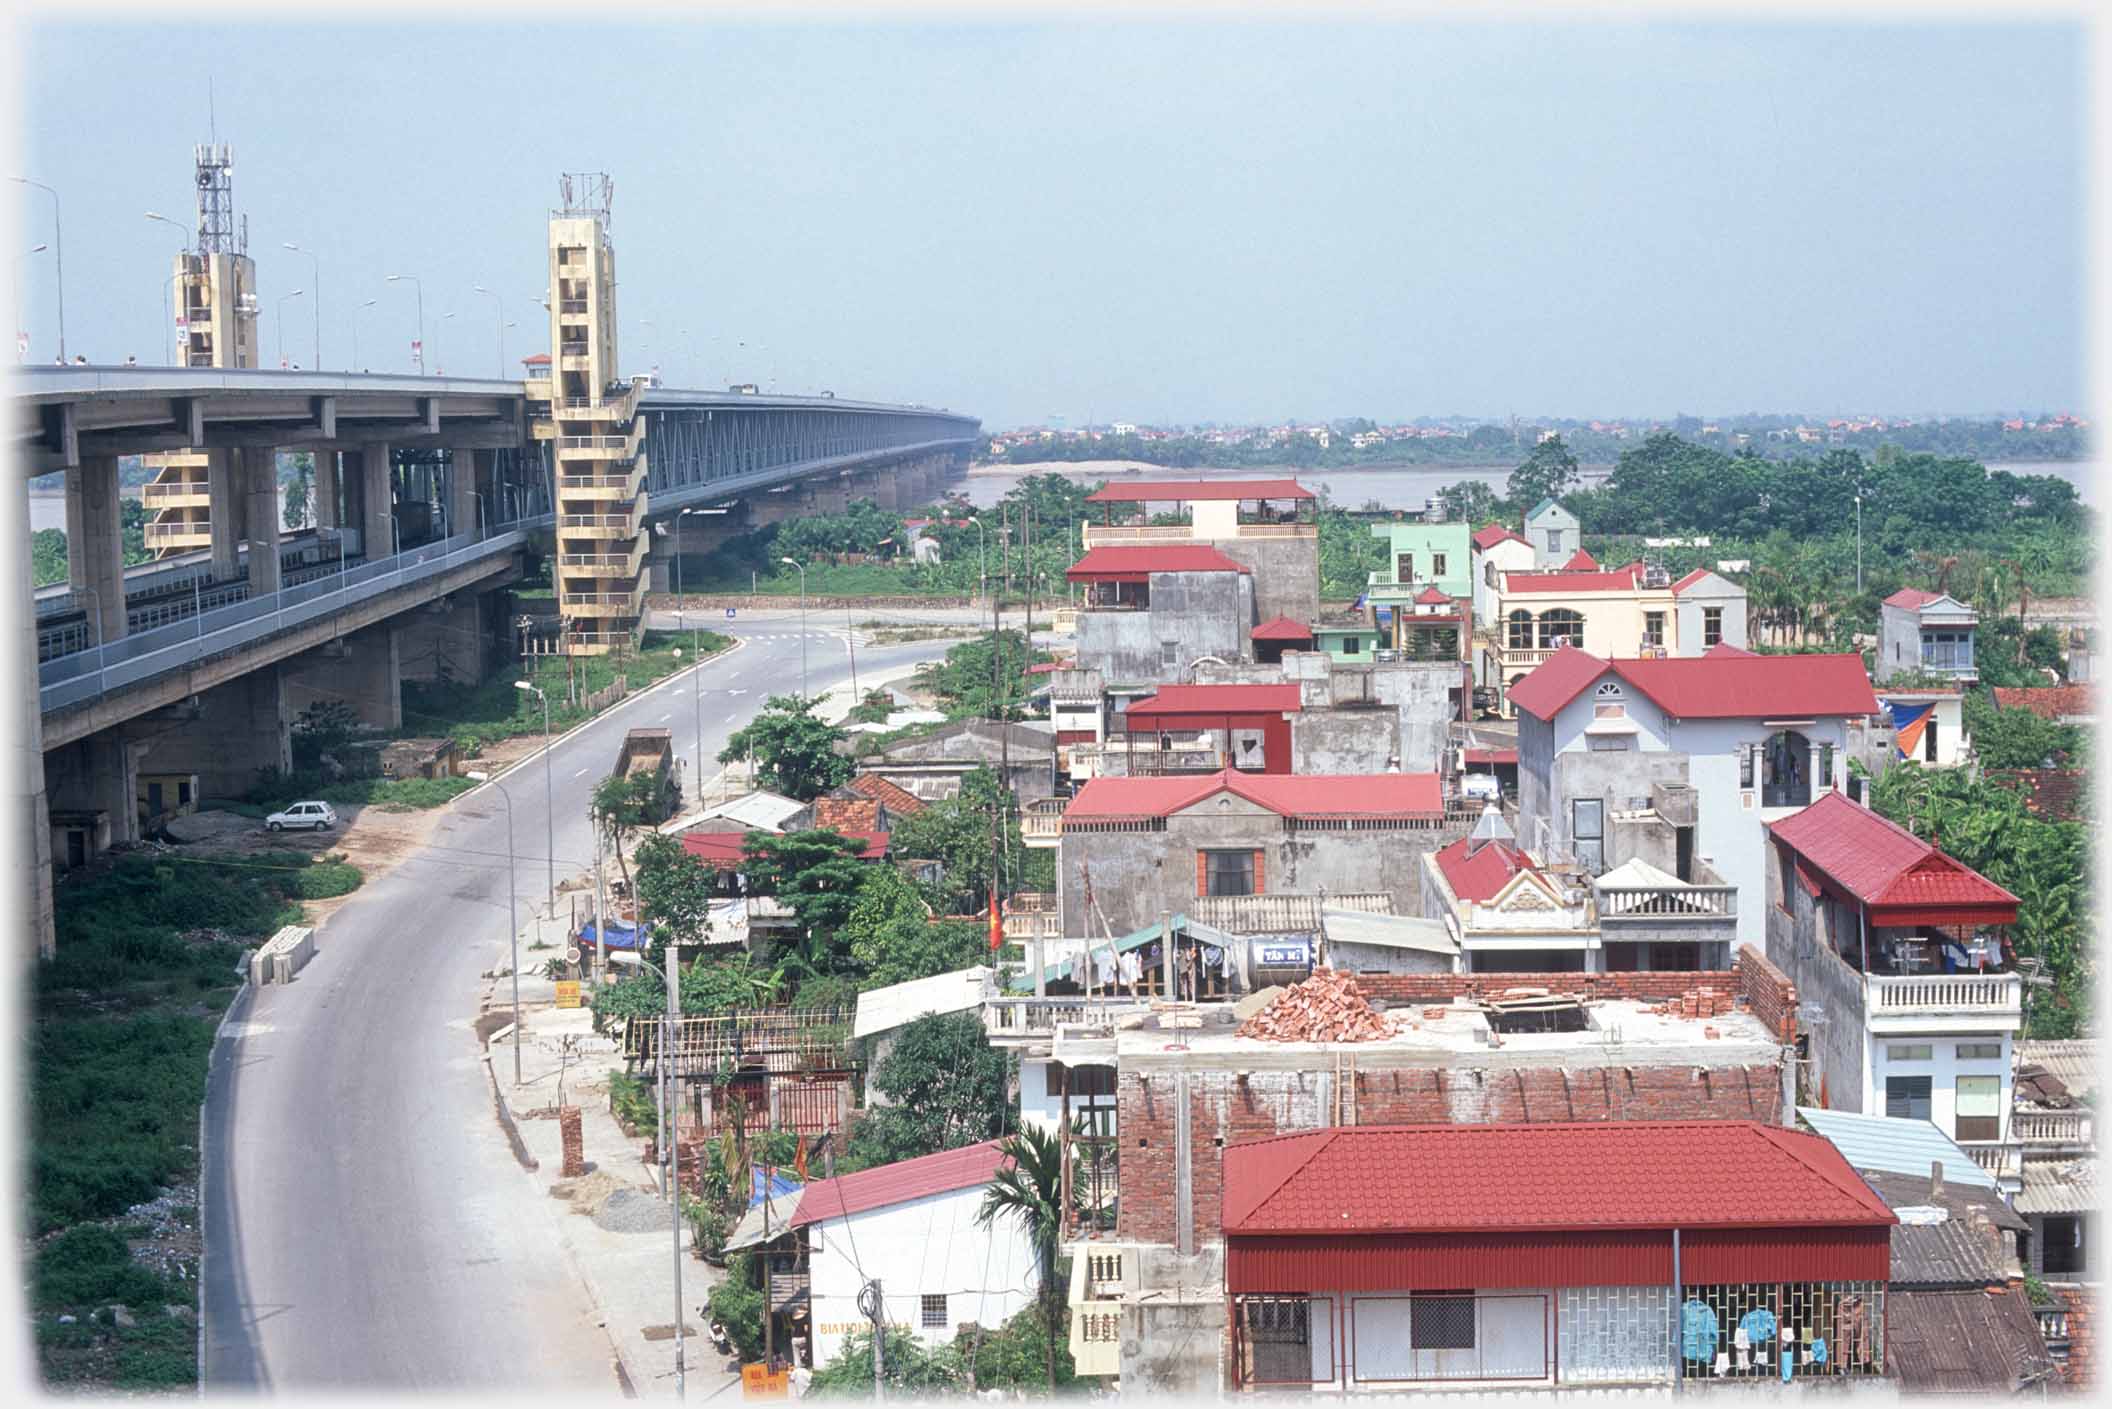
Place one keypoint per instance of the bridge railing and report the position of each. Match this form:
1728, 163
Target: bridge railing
99, 669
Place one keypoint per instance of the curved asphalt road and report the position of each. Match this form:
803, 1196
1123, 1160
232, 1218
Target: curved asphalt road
366, 1224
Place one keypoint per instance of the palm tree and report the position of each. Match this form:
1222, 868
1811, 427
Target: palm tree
1030, 1190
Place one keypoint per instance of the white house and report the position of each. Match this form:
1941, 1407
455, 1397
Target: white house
912, 1225
1682, 761
1496, 551
1552, 531
1930, 633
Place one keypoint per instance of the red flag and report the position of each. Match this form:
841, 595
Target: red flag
997, 926
799, 1162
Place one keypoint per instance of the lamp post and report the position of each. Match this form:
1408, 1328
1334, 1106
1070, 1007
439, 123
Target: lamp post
437, 361
513, 921
802, 623
412, 279
667, 1124
316, 265
355, 331
15, 268
167, 319
58, 238
982, 572
549, 796
501, 321
1858, 535
282, 323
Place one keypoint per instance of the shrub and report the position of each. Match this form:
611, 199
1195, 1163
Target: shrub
325, 880
91, 1266
737, 1305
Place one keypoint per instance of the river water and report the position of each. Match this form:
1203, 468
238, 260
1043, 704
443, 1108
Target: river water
1397, 486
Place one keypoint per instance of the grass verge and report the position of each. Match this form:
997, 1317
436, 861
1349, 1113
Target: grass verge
122, 1022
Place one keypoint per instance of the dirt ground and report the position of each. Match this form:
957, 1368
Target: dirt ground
370, 838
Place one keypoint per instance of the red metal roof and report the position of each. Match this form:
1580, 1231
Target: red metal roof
1312, 795
537, 359
2048, 701
1480, 873
1710, 687
1689, 580
1164, 491
1618, 580
1430, 596
1282, 628
1218, 699
1138, 562
1581, 561
719, 849
1723, 649
1563, 1175
1495, 533
1492, 755
1898, 875
1912, 598
901, 1182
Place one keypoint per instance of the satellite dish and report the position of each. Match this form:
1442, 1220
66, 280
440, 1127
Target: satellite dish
572, 956
205, 178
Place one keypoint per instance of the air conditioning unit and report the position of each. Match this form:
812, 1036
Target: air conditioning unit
1656, 577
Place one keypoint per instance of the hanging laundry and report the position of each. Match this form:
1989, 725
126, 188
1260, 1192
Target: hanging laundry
1132, 969
1698, 1332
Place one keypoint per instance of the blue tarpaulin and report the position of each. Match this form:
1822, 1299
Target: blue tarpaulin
776, 1185
620, 936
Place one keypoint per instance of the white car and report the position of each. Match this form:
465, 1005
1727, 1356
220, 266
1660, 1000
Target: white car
314, 815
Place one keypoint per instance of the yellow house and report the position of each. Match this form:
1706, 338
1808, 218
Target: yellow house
1627, 612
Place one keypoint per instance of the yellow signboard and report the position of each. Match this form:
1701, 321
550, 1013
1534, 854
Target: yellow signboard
759, 1382
568, 993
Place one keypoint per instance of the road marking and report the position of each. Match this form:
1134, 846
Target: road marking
667, 716
731, 717
580, 774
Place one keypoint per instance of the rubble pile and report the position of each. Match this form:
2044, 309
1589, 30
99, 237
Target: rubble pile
1325, 1008
1696, 1003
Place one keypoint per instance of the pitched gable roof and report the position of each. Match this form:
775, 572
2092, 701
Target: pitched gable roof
901, 1182
1313, 795
1581, 561
1495, 533
1136, 563
1896, 874
1713, 687
1480, 873
1282, 628
888, 794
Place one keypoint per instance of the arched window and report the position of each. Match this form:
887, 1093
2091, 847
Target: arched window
1561, 622
1521, 636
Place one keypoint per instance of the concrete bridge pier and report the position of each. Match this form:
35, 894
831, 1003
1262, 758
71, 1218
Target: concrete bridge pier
324, 504
260, 482
95, 558
229, 510
881, 487
828, 494
373, 488
226, 735
362, 668
462, 637
98, 775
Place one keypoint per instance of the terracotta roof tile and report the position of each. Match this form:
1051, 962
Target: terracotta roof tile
889, 795
847, 814
2049, 701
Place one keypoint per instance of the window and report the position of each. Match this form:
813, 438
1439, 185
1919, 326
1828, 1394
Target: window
1907, 1097
1610, 743
1404, 567
1711, 625
1928, 739
1437, 564
1521, 631
1947, 650
1979, 1108
1654, 629
1587, 828
1825, 765
1745, 765
1979, 1051
1488, 574
1554, 541
1441, 1322
1910, 1052
1561, 625
1230, 873
1169, 653
1609, 711
1788, 867
934, 1311
1350, 645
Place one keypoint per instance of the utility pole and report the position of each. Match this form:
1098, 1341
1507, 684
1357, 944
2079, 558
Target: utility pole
997, 713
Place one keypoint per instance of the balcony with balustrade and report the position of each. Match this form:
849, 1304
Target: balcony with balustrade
1041, 822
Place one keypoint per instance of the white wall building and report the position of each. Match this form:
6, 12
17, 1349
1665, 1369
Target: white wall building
912, 1225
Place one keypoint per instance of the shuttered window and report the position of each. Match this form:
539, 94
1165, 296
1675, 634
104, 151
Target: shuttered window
1228, 872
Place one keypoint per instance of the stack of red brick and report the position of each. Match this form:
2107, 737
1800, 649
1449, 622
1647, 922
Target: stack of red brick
1325, 1008
1697, 1003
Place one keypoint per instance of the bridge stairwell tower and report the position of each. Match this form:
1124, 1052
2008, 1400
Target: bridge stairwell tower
596, 433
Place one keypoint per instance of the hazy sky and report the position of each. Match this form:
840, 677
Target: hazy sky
1186, 221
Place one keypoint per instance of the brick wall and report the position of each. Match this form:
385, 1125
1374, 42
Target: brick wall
1769, 994
1223, 1109
1442, 988
2079, 1370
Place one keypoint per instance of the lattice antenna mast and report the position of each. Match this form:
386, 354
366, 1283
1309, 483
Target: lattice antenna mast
586, 195
217, 231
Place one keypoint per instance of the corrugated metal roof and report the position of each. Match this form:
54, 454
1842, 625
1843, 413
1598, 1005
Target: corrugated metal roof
1725, 686
1558, 1176
1163, 491
1218, 699
1389, 931
1492, 534
766, 810
900, 1182
1963, 1342
1312, 795
1138, 563
1618, 580
2058, 1186
1480, 871
884, 1009
1883, 864
1282, 628
1944, 1246
1889, 1145
2072, 1060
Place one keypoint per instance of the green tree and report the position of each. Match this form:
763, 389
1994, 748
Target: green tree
621, 804
47, 556
2017, 738
1015, 1355
1472, 501
946, 1087
737, 1305
794, 752
1548, 473
675, 890
907, 1367
132, 519
818, 875
969, 686
891, 933
1029, 1192
299, 479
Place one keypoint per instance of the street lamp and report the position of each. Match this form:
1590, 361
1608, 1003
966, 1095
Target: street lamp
802, 623
58, 238
355, 331
282, 324
412, 280
439, 362
513, 921
635, 957
15, 268
549, 795
502, 327
167, 332
1858, 536
317, 266
982, 572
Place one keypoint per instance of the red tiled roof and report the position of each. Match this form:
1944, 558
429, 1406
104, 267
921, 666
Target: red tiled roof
1495, 533
891, 795
1048, 667
847, 814
1581, 561
1430, 596
1165, 491
1887, 867
2055, 793
538, 359
1480, 873
1912, 598
2048, 701
1618, 580
1719, 687
874, 843
1349, 1181
1312, 795
1219, 699
1723, 649
1282, 628
900, 1183
1492, 755
1138, 563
